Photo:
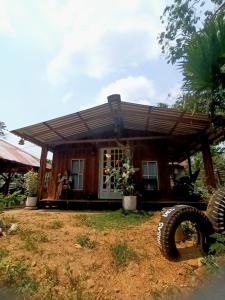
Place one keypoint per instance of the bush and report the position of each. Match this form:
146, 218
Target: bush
85, 241
216, 249
31, 182
14, 199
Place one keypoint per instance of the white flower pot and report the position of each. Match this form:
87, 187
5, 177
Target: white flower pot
31, 202
130, 202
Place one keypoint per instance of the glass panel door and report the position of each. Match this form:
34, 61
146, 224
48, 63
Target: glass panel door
109, 157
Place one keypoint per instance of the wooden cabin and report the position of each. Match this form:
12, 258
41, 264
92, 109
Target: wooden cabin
156, 136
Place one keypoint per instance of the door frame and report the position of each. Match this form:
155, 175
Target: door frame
106, 194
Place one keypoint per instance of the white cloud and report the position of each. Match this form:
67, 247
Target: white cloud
86, 37
6, 17
131, 89
106, 37
137, 89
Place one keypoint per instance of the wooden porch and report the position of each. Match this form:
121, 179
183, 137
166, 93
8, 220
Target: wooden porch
117, 204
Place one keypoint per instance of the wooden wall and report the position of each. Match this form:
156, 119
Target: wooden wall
148, 150
154, 151
62, 159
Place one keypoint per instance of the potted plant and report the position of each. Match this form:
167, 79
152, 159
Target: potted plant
122, 175
31, 183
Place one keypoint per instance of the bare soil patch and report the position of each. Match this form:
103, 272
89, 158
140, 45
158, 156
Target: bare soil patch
70, 258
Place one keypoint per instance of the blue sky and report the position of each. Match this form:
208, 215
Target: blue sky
62, 56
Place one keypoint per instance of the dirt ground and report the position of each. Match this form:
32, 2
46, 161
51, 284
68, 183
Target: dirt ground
94, 272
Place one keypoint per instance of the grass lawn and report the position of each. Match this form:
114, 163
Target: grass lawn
90, 255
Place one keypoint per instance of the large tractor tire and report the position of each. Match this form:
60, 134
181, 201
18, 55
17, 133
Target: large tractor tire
170, 222
216, 211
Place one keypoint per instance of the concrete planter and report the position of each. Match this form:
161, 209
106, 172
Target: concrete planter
31, 203
130, 203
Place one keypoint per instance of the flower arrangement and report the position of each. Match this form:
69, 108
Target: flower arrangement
122, 176
30, 182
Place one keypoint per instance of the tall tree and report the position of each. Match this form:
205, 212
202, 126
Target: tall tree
203, 66
181, 20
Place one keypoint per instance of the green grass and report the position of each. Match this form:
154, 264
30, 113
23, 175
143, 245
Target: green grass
85, 241
3, 253
55, 224
14, 274
32, 239
114, 219
48, 288
122, 254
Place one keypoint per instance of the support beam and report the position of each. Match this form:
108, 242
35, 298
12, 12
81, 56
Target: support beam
55, 131
208, 165
42, 170
84, 123
160, 137
176, 123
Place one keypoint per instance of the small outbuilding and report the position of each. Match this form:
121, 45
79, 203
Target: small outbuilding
14, 160
12, 157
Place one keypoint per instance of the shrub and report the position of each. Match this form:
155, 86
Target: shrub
31, 181
216, 249
85, 241
15, 199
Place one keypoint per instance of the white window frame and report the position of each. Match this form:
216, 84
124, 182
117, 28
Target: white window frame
78, 159
148, 176
106, 193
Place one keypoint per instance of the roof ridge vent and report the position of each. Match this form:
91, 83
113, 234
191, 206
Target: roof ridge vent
114, 98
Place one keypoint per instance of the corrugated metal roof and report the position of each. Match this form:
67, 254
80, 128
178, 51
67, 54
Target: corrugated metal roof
133, 116
104, 120
15, 154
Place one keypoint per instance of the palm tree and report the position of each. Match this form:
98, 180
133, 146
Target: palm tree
204, 66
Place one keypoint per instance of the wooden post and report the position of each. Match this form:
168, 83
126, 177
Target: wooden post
42, 170
208, 165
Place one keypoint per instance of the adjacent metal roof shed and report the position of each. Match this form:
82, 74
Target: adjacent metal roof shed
14, 157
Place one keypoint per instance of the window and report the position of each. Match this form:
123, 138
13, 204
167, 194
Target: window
77, 174
150, 175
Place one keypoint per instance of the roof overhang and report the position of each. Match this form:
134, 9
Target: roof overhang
117, 120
